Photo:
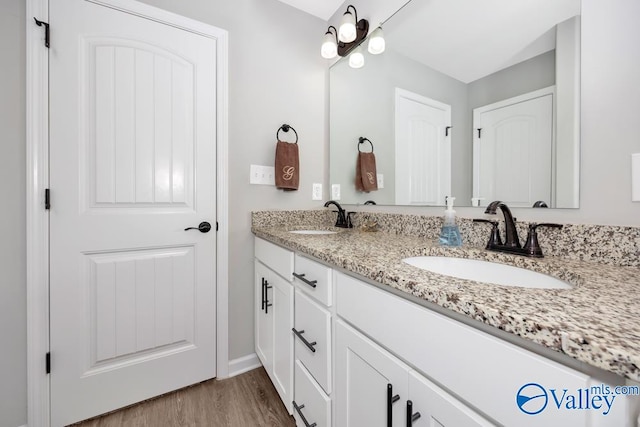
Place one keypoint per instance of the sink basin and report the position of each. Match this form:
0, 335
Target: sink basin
313, 232
487, 272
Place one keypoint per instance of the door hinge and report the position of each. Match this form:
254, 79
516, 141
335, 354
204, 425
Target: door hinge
47, 199
46, 30
48, 363
216, 225
479, 132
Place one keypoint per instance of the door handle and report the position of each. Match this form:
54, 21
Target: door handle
203, 227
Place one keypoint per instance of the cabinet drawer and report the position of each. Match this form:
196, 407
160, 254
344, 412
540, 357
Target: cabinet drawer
485, 371
313, 324
276, 258
314, 278
310, 401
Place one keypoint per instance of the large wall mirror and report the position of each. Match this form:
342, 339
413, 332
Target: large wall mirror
477, 99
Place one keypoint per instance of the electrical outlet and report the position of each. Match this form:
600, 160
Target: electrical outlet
317, 192
263, 175
380, 178
335, 192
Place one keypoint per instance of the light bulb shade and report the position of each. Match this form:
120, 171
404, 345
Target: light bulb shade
347, 30
356, 59
329, 49
376, 42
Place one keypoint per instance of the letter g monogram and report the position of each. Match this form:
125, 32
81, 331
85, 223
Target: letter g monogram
287, 172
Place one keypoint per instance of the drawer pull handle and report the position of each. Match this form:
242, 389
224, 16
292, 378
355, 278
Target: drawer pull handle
411, 417
304, 341
391, 399
311, 283
299, 411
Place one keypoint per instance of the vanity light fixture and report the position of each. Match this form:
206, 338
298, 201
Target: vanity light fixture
329, 48
356, 58
345, 40
376, 42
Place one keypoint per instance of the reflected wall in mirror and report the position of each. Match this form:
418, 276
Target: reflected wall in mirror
475, 99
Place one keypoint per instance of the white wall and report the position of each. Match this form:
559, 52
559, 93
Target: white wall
13, 321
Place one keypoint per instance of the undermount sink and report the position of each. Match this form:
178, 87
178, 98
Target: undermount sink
487, 272
312, 232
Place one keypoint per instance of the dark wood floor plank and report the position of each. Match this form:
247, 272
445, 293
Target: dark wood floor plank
245, 400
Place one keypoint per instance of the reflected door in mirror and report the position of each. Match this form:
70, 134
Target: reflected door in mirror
423, 150
513, 150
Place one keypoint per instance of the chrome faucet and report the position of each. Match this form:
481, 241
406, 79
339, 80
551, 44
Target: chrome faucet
512, 242
344, 219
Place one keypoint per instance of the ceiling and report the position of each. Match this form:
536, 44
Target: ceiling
470, 39
323, 9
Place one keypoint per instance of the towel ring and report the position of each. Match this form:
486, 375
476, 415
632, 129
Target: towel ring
361, 140
285, 127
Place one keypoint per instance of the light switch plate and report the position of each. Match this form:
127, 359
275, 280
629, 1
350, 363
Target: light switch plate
263, 175
380, 180
635, 177
317, 192
335, 192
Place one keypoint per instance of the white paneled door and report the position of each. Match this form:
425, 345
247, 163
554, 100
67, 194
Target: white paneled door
423, 150
513, 150
133, 163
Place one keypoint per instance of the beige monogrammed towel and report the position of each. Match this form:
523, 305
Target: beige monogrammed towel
287, 166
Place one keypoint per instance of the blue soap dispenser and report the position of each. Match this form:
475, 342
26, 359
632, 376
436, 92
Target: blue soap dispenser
450, 233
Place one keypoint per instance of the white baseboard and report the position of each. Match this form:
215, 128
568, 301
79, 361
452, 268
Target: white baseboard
243, 364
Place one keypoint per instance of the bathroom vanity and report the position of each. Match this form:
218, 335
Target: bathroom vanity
352, 336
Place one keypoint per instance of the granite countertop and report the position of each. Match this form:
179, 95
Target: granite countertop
595, 322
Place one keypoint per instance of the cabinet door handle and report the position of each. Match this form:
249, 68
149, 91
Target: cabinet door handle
304, 341
266, 297
299, 411
262, 294
411, 417
391, 399
311, 283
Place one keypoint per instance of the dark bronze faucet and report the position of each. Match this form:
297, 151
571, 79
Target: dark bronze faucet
512, 242
511, 234
344, 220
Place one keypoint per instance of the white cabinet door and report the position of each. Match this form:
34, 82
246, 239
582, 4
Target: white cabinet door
263, 319
279, 304
367, 379
437, 408
273, 323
